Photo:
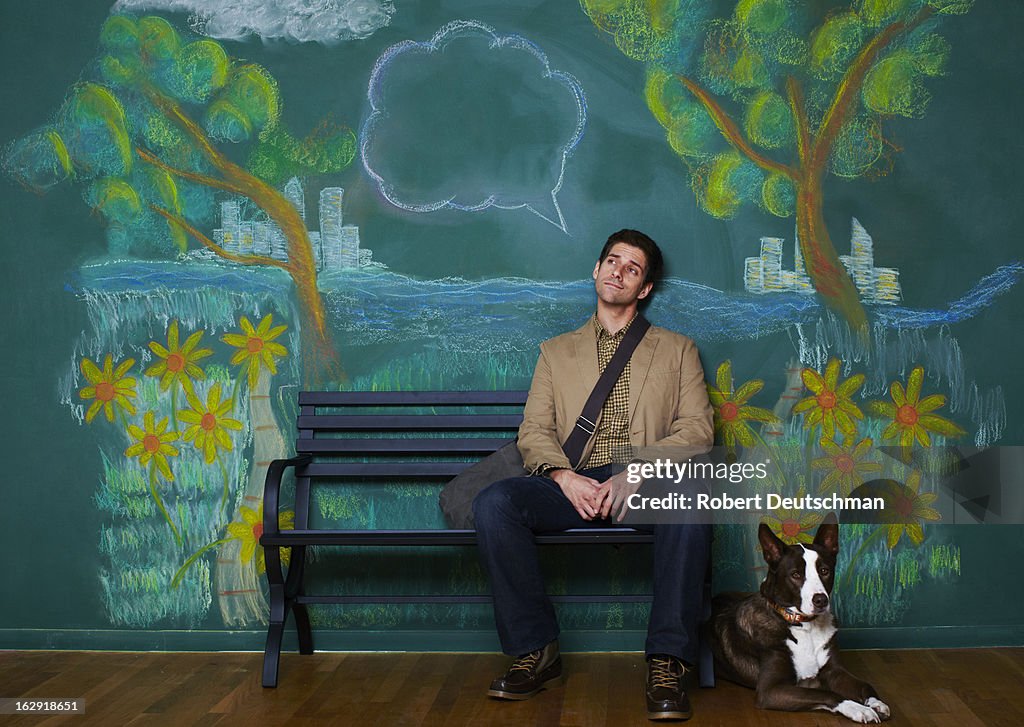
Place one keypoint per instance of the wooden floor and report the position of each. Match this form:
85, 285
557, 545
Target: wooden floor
961, 688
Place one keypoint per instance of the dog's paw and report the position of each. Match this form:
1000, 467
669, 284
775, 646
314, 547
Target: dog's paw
857, 712
879, 706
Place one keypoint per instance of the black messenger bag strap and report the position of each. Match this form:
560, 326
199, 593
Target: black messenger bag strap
586, 424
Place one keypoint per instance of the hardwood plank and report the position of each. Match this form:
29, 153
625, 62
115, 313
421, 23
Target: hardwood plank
460, 674
622, 689
402, 671
470, 707
962, 687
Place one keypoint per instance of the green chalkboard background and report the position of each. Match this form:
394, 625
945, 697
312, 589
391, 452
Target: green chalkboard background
473, 292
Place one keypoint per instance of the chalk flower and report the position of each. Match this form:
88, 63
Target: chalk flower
905, 508
107, 387
732, 412
209, 422
256, 347
830, 406
152, 442
248, 532
912, 416
178, 362
793, 525
847, 465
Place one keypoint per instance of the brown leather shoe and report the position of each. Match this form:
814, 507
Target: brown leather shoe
529, 674
665, 696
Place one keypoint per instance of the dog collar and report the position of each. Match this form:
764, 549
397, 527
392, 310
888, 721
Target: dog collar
793, 617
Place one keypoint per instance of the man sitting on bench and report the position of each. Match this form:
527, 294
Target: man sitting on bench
658, 400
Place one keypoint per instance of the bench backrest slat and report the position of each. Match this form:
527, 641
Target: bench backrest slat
398, 445
411, 398
404, 470
408, 422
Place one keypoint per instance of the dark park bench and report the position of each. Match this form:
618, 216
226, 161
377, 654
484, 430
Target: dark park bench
372, 437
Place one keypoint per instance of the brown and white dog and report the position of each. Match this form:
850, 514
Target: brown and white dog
781, 641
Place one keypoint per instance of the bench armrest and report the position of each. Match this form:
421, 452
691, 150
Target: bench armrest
272, 489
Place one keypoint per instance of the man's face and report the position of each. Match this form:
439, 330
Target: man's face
619, 278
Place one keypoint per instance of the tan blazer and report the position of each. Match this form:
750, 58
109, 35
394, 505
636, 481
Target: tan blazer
668, 399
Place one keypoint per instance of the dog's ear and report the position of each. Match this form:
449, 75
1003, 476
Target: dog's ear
828, 534
771, 546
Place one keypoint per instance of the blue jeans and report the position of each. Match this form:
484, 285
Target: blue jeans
510, 511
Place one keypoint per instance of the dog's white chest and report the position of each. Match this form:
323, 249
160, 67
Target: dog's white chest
810, 650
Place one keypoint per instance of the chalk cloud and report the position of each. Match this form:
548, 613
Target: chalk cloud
301, 21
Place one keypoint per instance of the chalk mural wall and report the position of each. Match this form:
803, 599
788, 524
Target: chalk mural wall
210, 205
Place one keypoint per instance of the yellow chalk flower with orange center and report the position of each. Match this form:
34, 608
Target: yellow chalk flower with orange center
178, 362
152, 442
793, 525
107, 387
208, 424
731, 409
905, 507
912, 416
830, 406
256, 347
249, 530
846, 465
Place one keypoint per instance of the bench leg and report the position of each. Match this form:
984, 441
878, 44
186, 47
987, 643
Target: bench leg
303, 627
293, 587
706, 669
278, 616
272, 654
707, 659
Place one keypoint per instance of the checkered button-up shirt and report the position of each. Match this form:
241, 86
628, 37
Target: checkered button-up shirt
611, 443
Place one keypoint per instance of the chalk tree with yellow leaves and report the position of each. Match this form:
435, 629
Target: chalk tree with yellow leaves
156, 126
763, 99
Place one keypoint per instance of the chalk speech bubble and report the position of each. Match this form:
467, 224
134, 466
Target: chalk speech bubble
471, 120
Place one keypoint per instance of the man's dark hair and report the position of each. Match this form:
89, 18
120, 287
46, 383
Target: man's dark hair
650, 248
